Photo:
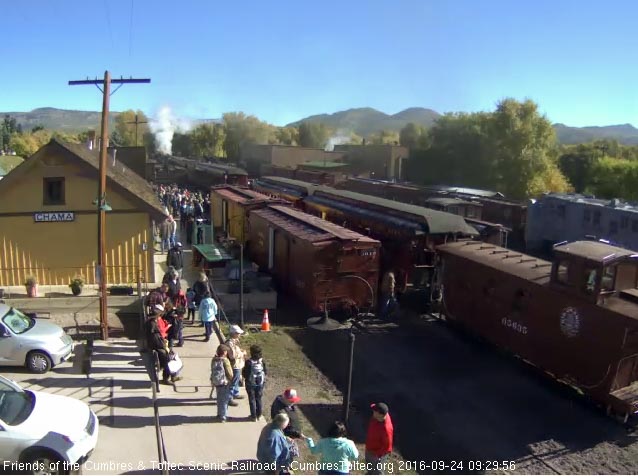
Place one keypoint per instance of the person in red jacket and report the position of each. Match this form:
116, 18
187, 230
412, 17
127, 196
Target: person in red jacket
379, 439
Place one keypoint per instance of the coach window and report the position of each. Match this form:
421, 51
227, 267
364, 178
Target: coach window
634, 225
561, 211
53, 191
562, 272
608, 281
587, 216
613, 227
597, 217
590, 280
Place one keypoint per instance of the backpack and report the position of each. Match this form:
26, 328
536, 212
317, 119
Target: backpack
218, 373
257, 374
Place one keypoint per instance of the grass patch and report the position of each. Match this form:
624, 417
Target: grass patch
288, 366
9, 162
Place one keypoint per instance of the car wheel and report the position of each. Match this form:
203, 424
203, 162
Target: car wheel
44, 462
38, 362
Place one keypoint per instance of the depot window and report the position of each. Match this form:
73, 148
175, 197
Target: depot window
53, 191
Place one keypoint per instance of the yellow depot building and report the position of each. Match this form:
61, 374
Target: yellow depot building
48, 219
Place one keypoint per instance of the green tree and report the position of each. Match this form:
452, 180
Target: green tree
414, 136
242, 129
208, 140
26, 145
313, 134
614, 178
183, 145
576, 164
287, 135
460, 152
124, 130
524, 143
384, 137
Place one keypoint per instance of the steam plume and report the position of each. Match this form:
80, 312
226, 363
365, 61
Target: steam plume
338, 139
164, 127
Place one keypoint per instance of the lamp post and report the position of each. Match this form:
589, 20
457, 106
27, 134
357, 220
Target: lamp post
326, 324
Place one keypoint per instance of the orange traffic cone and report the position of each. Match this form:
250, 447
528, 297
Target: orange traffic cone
265, 323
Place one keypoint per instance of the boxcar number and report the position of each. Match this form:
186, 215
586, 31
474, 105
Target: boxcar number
517, 326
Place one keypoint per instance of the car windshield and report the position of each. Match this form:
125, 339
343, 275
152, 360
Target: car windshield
17, 322
15, 405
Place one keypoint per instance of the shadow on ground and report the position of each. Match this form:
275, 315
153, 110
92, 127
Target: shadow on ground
452, 397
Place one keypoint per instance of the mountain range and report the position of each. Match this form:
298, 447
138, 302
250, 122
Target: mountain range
365, 121
362, 121
64, 120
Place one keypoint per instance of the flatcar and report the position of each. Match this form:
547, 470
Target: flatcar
575, 318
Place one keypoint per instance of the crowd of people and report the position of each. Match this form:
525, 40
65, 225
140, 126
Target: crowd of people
191, 209
169, 307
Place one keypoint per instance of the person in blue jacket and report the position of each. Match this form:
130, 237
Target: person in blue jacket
336, 450
272, 447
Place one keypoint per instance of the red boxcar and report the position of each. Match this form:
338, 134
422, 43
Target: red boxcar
315, 260
576, 317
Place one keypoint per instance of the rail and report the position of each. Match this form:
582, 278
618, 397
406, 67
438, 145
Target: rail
155, 385
161, 446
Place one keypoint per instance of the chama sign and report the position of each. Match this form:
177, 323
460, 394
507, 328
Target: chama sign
53, 216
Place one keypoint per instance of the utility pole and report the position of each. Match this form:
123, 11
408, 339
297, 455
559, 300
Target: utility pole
101, 197
137, 122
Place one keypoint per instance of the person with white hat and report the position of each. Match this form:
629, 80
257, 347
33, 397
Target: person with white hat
237, 358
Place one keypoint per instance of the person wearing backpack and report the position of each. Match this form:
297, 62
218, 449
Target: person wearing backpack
254, 374
221, 374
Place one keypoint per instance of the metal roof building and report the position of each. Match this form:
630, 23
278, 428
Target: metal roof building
557, 217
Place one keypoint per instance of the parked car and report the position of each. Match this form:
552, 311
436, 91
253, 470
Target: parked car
47, 434
36, 344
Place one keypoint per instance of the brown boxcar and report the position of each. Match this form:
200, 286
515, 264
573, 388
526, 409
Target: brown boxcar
576, 317
311, 258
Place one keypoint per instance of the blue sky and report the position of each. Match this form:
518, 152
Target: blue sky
284, 60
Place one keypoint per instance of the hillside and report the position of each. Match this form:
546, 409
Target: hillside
623, 133
365, 121
59, 119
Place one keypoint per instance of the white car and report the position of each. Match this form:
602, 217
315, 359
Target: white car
41, 433
32, 342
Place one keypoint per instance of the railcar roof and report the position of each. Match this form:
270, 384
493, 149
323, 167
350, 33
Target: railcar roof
595, 251
308, 227
437, 222
503, 259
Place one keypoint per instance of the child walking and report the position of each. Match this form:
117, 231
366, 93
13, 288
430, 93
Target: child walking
254, 374
221, 375
190, 300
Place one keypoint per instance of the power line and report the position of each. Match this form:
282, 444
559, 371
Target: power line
130, 31
108, 22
